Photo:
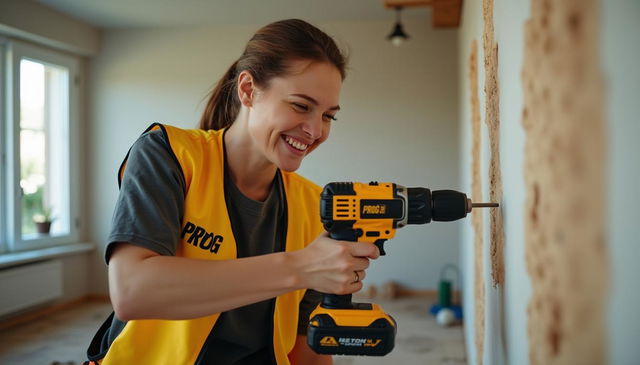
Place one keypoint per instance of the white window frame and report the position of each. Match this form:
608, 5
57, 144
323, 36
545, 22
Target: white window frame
4, 116
15, 51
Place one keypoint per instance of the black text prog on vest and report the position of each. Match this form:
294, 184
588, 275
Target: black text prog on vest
199, 237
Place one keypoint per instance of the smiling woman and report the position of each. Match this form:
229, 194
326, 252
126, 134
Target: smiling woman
223, 203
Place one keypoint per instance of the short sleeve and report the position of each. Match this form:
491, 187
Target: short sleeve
150, 206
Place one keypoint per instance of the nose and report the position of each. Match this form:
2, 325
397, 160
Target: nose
312, 127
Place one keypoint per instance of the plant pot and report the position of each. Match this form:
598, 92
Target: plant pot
43, 227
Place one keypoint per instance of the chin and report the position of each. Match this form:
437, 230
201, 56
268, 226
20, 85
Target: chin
288, 165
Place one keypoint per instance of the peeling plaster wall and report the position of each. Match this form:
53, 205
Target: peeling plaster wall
492, 120
509, 332
477, 216
565, 153
505, 303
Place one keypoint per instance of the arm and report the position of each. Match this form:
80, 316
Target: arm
303, 355
144, 284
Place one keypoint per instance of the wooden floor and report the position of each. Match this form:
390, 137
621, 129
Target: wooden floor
62, 338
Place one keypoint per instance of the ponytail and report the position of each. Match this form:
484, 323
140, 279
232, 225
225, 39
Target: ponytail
223, 105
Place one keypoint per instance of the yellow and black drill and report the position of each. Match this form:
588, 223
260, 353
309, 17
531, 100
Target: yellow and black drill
372, 213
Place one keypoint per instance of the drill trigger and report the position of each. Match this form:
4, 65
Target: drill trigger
380, 244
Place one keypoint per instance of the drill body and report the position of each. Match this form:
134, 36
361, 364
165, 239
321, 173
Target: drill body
371, 213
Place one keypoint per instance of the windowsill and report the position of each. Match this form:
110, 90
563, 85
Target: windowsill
23, 257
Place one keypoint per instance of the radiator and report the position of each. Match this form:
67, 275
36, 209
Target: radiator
27, 285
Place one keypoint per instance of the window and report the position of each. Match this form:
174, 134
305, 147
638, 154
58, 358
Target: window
39, 202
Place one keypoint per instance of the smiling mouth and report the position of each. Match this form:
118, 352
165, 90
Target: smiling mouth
295, 144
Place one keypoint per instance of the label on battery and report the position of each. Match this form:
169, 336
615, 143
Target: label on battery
349, 341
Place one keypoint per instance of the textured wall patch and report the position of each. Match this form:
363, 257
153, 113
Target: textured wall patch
564, 181
492, 119
477, 214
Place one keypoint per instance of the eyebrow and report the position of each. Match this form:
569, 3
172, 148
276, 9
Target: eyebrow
314, 101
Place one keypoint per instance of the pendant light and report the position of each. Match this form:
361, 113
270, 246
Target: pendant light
397, 36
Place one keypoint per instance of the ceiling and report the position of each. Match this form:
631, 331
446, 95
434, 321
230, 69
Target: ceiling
112, 14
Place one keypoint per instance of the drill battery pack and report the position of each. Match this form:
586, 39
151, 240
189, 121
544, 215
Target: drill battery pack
364, 330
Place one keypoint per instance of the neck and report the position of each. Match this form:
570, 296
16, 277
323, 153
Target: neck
249, 170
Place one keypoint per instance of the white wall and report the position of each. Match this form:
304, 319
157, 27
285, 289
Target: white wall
397, 123
620, 52
506, 339
470, 29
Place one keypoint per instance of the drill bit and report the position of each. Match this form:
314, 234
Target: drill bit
484, 205
471, 205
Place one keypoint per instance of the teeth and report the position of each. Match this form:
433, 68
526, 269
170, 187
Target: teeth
296, 144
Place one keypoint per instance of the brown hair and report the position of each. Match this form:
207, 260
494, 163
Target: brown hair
267, 55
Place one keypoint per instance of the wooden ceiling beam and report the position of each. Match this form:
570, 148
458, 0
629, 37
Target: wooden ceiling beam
389, 4
445, 14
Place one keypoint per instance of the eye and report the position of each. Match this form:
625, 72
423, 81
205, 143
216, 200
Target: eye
300, 107
329, 117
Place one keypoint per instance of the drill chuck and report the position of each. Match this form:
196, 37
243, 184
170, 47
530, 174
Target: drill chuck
423, 205
449, 205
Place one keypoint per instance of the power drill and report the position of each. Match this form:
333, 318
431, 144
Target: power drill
359, 212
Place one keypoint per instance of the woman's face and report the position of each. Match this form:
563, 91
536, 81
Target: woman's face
292, 116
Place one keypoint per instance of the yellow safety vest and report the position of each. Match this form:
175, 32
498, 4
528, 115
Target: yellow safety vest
201, 156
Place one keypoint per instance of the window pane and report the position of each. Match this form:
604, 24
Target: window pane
44, 152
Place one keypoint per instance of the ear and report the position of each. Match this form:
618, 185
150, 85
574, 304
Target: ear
246, 88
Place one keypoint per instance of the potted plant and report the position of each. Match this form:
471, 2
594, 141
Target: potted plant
43, 221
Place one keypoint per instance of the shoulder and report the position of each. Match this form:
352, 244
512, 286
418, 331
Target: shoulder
149, 155
179, 135
163, 138
151, 140
149, 147
188, 144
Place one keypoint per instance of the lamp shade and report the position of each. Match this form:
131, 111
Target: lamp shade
397, 36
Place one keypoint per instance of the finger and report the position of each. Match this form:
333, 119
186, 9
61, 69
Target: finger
363, 249
356, 286
361, 275
351, 288
352, 277
360, 263
348, 283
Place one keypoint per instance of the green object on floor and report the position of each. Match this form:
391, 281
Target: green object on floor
445, 286
444, 293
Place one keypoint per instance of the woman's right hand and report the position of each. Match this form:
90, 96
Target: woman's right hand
330, 266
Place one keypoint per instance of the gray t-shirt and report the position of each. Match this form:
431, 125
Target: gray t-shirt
149, 213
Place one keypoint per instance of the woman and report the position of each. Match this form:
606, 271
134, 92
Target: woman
215, 239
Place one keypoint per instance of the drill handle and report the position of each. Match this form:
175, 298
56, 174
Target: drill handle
343, 234
352, 235
337, 301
